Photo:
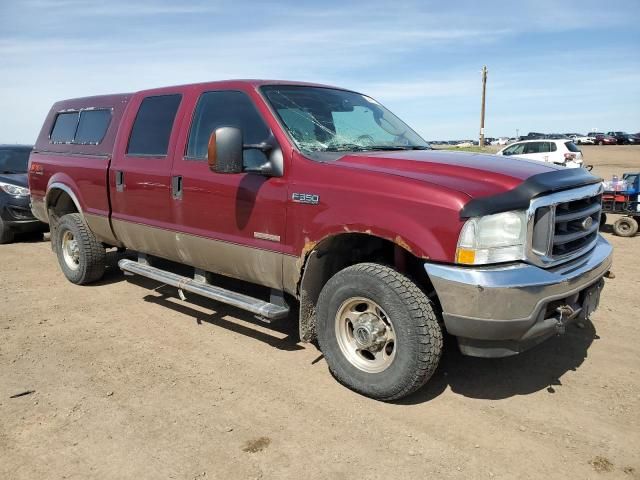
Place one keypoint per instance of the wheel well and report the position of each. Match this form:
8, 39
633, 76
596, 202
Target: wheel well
341, 251
60, 203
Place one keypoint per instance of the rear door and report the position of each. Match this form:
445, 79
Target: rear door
140, 174
232, 224
537, 151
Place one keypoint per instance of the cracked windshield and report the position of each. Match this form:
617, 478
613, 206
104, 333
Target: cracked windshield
331, 120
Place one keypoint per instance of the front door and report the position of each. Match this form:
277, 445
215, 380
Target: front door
232, 224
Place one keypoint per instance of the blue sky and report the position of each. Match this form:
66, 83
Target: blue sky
554, 66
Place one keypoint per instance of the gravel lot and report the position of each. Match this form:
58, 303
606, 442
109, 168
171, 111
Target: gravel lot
131, 382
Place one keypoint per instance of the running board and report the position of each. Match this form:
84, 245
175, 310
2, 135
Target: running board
266, 310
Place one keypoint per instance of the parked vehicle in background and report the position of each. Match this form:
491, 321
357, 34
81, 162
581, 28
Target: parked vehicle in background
321, 197
15, 208
573, 136
532, 136
621, 196
560, 152
634, 139
588, 139
605, 139
622, 138
501, 141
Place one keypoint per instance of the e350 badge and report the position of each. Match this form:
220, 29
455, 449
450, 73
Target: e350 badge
310, 198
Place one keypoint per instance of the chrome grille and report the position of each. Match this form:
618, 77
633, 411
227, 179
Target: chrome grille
564, 225
576, 225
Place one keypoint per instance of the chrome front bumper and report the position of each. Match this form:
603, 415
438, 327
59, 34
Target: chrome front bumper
502, 310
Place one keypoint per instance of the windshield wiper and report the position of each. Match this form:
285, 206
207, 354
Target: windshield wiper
8, 172
346, 147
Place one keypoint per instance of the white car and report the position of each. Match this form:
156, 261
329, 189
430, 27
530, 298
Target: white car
561, 151
588, 139
501, 141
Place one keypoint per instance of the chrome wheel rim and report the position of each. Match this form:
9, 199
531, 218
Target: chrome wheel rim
70, 250
365, 334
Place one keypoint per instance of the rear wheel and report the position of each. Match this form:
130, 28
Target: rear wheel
625, 227
600, 143
81, 257
6, 235
378, 331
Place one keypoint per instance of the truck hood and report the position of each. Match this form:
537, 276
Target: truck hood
19, 179
475, 174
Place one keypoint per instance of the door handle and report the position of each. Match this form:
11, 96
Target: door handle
176, 187
119, 181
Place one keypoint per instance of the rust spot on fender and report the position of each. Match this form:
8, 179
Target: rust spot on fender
306, 249
402, 243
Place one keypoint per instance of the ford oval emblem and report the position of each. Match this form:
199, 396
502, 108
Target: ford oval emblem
586, 223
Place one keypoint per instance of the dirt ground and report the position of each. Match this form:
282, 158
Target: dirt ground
129, 381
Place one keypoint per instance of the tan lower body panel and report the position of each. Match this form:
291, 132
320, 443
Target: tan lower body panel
101, 228
254, 265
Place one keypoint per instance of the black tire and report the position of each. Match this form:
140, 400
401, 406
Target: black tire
417, 334
6, 235
89, 257
625, 227
603, 220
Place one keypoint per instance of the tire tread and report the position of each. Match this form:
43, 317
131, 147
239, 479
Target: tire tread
93, 266
426, 326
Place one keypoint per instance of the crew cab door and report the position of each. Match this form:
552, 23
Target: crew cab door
232, 224
140, 174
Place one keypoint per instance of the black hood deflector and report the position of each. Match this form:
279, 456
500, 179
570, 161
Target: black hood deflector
519, 197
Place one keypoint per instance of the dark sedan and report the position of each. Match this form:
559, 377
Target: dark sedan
634, 139
15, 208
622, 138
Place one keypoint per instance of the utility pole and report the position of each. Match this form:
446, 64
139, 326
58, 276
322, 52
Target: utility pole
484, 92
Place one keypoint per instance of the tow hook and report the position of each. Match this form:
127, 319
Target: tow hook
610, 275
564, 311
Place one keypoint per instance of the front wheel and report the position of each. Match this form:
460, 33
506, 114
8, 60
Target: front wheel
378, 331
81, 256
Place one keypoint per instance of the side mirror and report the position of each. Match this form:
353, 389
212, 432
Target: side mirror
224, 152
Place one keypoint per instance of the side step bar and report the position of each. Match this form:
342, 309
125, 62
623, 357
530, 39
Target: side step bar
269, 311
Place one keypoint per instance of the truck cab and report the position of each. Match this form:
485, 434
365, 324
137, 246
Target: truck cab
325, 200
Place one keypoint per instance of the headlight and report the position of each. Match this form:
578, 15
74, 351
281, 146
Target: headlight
493, 239
14, 190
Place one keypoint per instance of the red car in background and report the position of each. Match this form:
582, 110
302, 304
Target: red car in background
603, 139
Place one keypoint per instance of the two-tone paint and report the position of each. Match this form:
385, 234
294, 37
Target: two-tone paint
255, 227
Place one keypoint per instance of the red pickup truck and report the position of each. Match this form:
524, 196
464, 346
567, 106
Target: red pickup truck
321, 198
